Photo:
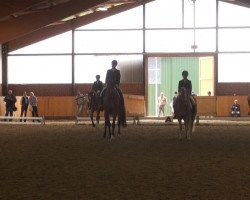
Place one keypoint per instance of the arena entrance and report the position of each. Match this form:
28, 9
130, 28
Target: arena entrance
164, 73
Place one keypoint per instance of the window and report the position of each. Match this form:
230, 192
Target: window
169, 40
126, 20
233, 15
58, 44
131, 67
205, 13
234, 39
234, 67
205, 40
39, 69
108, 42
164, 14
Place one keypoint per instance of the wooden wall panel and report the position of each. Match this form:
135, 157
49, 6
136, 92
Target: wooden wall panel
206, 105
233, 88
224, 104
42, 89
65, 106
135, 105
67, 90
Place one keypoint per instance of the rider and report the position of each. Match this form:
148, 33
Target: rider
113, 76
187, 84
98, 85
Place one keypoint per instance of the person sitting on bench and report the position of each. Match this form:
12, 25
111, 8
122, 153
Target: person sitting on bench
235, 109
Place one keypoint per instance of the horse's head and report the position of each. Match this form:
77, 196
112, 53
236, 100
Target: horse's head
183, 92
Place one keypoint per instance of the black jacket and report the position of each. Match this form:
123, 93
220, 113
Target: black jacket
10, 100
97, 86
113, 76
186, 84
25, 102
235, 107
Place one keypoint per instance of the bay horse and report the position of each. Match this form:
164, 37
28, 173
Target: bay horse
183, 109
111, 107
94, 106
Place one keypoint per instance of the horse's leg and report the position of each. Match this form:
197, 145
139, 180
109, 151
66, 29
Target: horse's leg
97, 117
91, 117
106, 124
188, 128
180, 131
113, 126
107, 121
119, 125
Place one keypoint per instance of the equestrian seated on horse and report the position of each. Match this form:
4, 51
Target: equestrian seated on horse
113, 77
187, 84
94, 99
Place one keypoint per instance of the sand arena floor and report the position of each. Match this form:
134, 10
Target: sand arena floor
62, 160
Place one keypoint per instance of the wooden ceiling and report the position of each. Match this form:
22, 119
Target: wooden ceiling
245, 3
23, 22
27, 21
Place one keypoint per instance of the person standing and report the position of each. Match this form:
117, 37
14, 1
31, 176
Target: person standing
10, 100
162, 101
24, 105
79, 102
33, 103
173, 101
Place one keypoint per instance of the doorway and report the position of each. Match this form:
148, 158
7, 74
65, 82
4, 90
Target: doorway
164, 73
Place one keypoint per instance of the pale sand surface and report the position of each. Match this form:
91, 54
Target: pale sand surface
61, 160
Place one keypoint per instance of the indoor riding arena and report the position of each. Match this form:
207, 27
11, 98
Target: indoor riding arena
51, 54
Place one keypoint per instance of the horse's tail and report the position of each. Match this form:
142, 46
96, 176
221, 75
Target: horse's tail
122, 115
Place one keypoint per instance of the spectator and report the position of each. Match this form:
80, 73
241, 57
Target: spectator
10, 100
173, 101
24, 105
235, 109
33, 103
79, 102
162, 100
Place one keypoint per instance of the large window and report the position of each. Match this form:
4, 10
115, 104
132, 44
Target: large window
39, 69
131, 19
205, 13
58, 44
164, 14
234, 67
233, 15
87, 67
108, 41
169, 40
234, 39
169, 28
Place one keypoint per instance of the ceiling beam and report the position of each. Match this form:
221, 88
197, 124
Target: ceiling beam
22, 25
244, 3
50, 31
9, 7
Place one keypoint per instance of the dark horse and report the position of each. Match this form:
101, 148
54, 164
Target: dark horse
184, 110
111, 107
94, 106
